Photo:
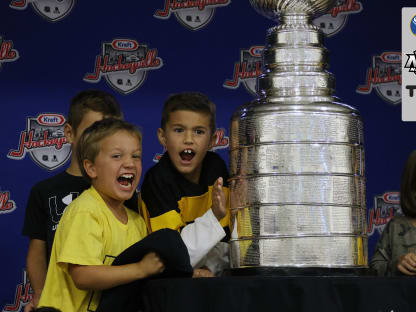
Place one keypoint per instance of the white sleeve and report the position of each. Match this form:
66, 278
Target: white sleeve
201, 236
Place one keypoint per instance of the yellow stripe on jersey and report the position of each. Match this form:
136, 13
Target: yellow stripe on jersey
170, 219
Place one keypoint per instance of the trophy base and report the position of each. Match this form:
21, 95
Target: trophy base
292, 271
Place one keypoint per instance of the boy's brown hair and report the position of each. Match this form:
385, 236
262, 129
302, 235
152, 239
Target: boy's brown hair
94, 100
190, 101
89, 142
408, 187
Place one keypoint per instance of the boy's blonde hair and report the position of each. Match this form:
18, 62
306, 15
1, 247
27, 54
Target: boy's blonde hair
89, 142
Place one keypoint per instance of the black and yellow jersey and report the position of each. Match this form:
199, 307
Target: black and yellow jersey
169, 200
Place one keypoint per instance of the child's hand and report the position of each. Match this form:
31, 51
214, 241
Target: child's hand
407, 264
218, 200
202, 273
30, 307
151, 264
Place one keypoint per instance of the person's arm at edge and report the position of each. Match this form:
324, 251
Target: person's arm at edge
36, 266
99, 277
381, 260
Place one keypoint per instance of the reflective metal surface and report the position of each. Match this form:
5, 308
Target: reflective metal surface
274, 8
297, 155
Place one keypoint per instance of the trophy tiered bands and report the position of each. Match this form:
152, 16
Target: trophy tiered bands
297, 157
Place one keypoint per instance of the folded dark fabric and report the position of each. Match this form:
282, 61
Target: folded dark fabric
169, 246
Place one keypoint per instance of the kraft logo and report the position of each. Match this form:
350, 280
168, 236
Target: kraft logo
193, 14
385, 77
392, 197
51, 10
125, 45
7, 53
337, 17
51, 119
124, 64
45, 141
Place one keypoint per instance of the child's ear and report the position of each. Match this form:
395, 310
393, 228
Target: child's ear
162, 138
90, 168
69, 133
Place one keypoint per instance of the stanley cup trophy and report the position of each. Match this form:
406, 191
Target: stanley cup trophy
297, 158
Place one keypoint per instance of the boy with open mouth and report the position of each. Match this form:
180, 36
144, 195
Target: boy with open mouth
96, 227
187, 190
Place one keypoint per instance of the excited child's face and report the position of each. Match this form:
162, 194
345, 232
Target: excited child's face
115, 172
187, 138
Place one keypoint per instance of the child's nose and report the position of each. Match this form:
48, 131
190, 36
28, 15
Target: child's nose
128, 162
188, 137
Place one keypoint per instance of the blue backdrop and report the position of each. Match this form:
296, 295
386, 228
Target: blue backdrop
50, 49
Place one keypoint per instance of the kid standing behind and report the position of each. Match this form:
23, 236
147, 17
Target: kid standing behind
187, 190
97, 227
395, 252
49, 198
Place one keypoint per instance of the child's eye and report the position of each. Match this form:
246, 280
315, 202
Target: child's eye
116, 156
199, 131
137, 156
178, 130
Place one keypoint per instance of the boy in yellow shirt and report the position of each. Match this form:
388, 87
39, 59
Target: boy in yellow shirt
98, 227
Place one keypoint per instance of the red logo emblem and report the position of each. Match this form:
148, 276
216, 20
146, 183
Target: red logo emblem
7, 53
52, 11
385, 77
124, 64
193, 14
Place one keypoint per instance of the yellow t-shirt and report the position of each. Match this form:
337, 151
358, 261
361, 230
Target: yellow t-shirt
88, 234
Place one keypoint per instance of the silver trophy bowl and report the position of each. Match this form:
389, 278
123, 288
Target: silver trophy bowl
275, 8
297, 156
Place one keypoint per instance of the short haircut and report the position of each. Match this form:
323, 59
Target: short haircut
408, 187
92, 100
190, 101
89, 142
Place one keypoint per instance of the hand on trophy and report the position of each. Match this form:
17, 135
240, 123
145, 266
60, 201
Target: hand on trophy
218, 200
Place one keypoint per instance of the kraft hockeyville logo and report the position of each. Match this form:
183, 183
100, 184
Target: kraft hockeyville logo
7, 53
193, 14
51, 10
385, 77
386, 206
23, 296
247, 69
45, 141
221, 142
337, 17
124, 64
6, 204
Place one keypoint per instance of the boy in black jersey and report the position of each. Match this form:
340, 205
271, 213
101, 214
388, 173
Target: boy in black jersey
49, 198
187, 190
